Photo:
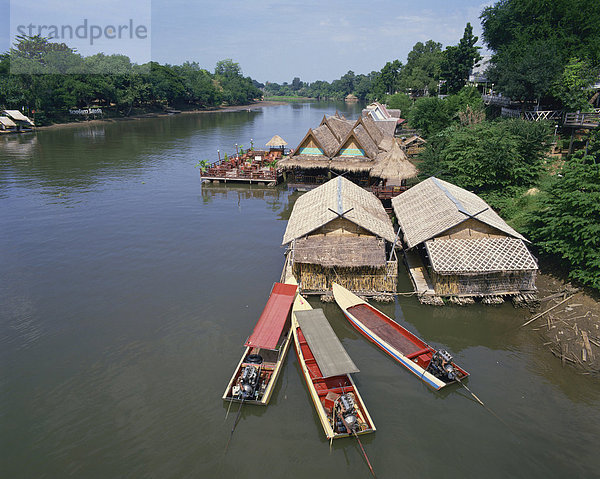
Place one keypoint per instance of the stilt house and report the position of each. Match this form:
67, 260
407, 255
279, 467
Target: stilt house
457, 246
340, 232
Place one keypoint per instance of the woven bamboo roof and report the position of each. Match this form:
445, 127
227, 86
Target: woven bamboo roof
6, 121
352, 164
326, 203
276, 141
481, 255
413, 139
304, 161
387, 127
371, 127
394, 165
434, 206
16, 115
343, 251
327, 139
340, 128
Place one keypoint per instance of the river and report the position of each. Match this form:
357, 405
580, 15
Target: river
128, 289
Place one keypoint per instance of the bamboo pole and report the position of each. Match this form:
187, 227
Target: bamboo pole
548, 310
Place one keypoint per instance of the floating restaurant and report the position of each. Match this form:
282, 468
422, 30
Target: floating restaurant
457, 247
340, 233
251, 166
359, 149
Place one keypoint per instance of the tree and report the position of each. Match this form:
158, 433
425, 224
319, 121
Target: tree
430, 115
567, 223
459, 60
386, 82
533, 41
489, 158
574, 85
228, 68
421, 73
296, 84
399, 101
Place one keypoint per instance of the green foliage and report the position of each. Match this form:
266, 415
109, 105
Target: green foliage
387, 82
203, 165
399, 101
573, 86
493, 159
468, 96
51, 80
534, 40
568, 221
458, 61
421, 73
430, 115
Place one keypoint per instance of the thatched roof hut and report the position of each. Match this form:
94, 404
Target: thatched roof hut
351, 98
338, 126
340, 232
435, 206
276, 141
332, 200
394, 166
340, 145
467, 248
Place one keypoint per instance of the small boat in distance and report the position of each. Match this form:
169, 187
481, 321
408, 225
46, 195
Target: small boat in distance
256, 374
435, 368
326, 367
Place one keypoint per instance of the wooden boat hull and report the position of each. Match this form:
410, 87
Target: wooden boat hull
274, 369
414, 362
348, 384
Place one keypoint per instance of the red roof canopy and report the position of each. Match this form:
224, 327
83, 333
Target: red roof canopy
272, 320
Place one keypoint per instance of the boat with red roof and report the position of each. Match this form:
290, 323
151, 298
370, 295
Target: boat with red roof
256, 374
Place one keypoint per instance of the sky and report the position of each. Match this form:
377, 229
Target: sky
271, 40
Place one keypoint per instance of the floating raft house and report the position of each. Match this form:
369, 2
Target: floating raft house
457, 247
341, 233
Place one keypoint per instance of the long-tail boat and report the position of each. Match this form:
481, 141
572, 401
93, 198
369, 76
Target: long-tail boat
434, 367
326, 367
256, 374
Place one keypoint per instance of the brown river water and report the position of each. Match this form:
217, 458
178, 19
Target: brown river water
127, 290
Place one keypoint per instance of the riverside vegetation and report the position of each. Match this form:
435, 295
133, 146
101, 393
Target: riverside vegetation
50, 79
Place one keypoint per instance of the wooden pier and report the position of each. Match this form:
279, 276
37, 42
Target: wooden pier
420, 279
251, 167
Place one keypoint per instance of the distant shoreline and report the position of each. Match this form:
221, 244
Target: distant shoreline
142, 116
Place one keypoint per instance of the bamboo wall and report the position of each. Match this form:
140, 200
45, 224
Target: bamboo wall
470, 229
318, 279
342, 226
510, 282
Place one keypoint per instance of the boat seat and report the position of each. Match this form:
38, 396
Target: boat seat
417, 353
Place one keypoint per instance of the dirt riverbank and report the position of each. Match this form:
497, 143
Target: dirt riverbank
141, 116
568, 322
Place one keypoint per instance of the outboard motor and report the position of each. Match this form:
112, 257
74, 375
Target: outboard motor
346, 414
246, 389
441, 366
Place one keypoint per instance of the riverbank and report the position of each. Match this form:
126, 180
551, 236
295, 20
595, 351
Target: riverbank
141, 116
568, 322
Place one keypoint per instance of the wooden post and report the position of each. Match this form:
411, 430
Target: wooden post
571, 142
